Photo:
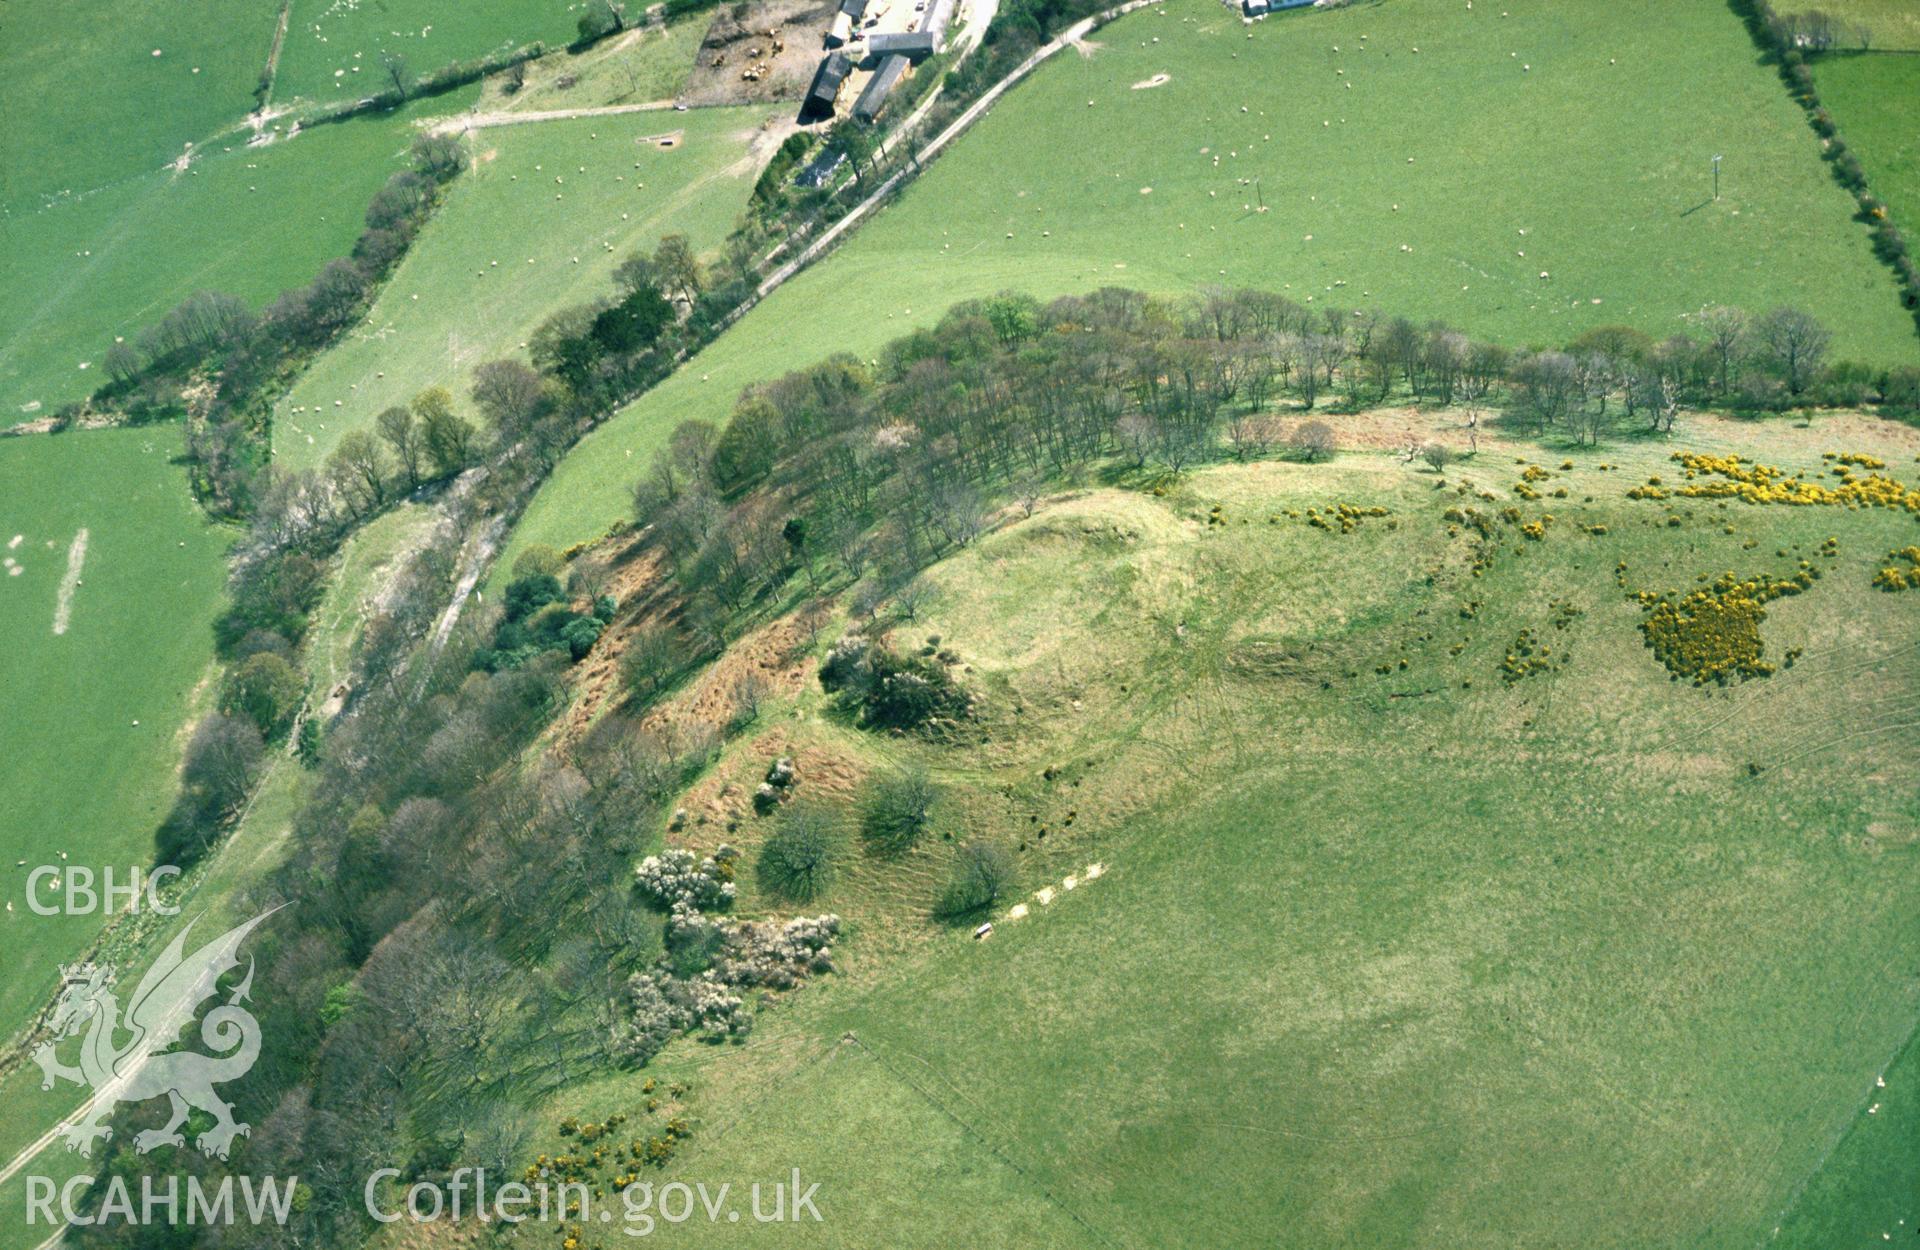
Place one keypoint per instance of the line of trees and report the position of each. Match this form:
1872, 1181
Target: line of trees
852, 470
216, 362
460, 928
1788, 40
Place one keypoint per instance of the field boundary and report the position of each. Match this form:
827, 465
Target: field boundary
1847, 1130
1795, 70
965, 1126
467, 122
272, 68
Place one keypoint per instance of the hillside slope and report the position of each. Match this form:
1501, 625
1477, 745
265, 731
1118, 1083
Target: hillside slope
1391, 942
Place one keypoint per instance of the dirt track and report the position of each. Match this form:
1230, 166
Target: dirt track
483, 121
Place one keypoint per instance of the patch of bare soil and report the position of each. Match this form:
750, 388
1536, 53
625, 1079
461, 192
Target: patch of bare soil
636, 581
1827, 431
1392, 429
768, 52
720, 805
761, 142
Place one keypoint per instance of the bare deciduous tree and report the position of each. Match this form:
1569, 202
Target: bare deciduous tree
402, 433
1312, 441
1795, 343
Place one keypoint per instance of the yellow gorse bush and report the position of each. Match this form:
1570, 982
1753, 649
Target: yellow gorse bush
1893, 577
1730, 477
1713, 633
1346, 517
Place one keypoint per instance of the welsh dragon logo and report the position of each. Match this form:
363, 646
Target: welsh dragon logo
135, 1069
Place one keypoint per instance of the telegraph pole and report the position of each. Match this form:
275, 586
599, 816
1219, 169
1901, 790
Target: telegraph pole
1716, 177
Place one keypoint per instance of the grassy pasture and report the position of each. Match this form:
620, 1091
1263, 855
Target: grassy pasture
79, 776
1895, 23
1873, 98
466, 293
640, 66
1381, 959
219, 900
221, 889
87, 103
1864, 1190
1603, 165
253, 221
334, 48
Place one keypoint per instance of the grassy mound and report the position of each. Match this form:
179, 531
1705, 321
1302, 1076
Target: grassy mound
1473, 962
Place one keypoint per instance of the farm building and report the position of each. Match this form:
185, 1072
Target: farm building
915, 45
879, 87
825, 91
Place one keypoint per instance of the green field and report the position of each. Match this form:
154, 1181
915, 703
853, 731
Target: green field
1416, 959
334, 48
1895, 23
1873, 98
252, 221
88, 104
640, 66
1603, 165
80, 777
467, 292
